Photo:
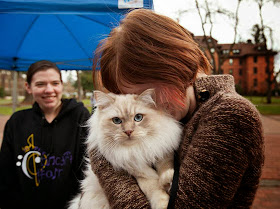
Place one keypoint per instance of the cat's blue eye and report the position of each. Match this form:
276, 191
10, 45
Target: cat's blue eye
116, 120
138, 117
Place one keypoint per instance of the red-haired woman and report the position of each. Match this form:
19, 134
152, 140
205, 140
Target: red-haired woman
218, 164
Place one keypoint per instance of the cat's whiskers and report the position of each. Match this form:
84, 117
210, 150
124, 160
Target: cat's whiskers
139, 134
109, 144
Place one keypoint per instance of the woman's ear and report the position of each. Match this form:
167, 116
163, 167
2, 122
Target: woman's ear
28, 88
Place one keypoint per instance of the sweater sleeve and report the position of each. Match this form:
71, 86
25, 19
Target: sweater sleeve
223, 159
121, 189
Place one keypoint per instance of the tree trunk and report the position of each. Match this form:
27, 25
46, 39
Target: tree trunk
28, 99
79, 86
3, 75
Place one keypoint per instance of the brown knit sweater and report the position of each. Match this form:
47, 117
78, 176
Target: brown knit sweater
220, 156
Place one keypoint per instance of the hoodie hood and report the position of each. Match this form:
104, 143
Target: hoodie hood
67, 106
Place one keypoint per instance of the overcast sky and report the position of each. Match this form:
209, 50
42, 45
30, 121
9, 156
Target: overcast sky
223, 28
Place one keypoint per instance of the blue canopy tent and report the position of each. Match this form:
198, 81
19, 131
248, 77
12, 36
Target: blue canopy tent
63, 31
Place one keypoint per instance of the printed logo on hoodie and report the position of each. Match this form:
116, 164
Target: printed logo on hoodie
37, 165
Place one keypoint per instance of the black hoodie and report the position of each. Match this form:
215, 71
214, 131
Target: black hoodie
41, 163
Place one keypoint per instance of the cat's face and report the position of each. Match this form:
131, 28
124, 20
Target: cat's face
126, 119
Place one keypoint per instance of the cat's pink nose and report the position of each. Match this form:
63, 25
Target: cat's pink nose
128, 132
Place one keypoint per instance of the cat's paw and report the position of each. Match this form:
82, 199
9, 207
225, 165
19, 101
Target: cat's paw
165, 179
159, 200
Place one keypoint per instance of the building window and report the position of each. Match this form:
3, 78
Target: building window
225, 51
230, 71
212, 50
255, 70
255, 59
255, 82
240, 71
240, 62
236, 51
230, 61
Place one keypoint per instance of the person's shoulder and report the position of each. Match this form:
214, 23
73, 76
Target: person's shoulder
19, 117
75, 107
73, 104
232, 108
235, 103
82, 108
222, 96
21, 114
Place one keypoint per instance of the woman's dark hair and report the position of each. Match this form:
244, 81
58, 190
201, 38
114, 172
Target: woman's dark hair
40, 66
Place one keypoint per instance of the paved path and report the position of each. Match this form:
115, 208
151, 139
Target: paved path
3, 120
268, 194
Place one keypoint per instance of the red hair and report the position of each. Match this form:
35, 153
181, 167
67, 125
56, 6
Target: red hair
149, 48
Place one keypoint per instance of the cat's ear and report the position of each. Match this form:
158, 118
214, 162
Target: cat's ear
148, 96
102, 99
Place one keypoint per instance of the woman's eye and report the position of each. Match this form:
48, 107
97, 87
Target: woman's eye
40, 84
138, 117
116, 120
56, 83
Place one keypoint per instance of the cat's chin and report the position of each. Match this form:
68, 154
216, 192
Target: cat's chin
128, 141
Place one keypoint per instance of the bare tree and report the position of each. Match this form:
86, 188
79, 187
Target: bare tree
208, 38
263, 30
276, 81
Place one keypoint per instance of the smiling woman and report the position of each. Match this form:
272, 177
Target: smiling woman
45, 85
42, 149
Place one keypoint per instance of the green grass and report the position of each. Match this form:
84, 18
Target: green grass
263, 107
6, 107
5, 101
8, 110
86, 102
260, 102
269, 109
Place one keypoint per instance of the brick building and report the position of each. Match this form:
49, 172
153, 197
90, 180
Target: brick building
6, 82
247, 62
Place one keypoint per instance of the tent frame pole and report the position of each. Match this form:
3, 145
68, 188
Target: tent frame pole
14, 95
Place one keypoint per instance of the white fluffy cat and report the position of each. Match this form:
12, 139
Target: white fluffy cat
133, 135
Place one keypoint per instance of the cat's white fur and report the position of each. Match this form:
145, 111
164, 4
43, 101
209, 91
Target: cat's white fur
151, 143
